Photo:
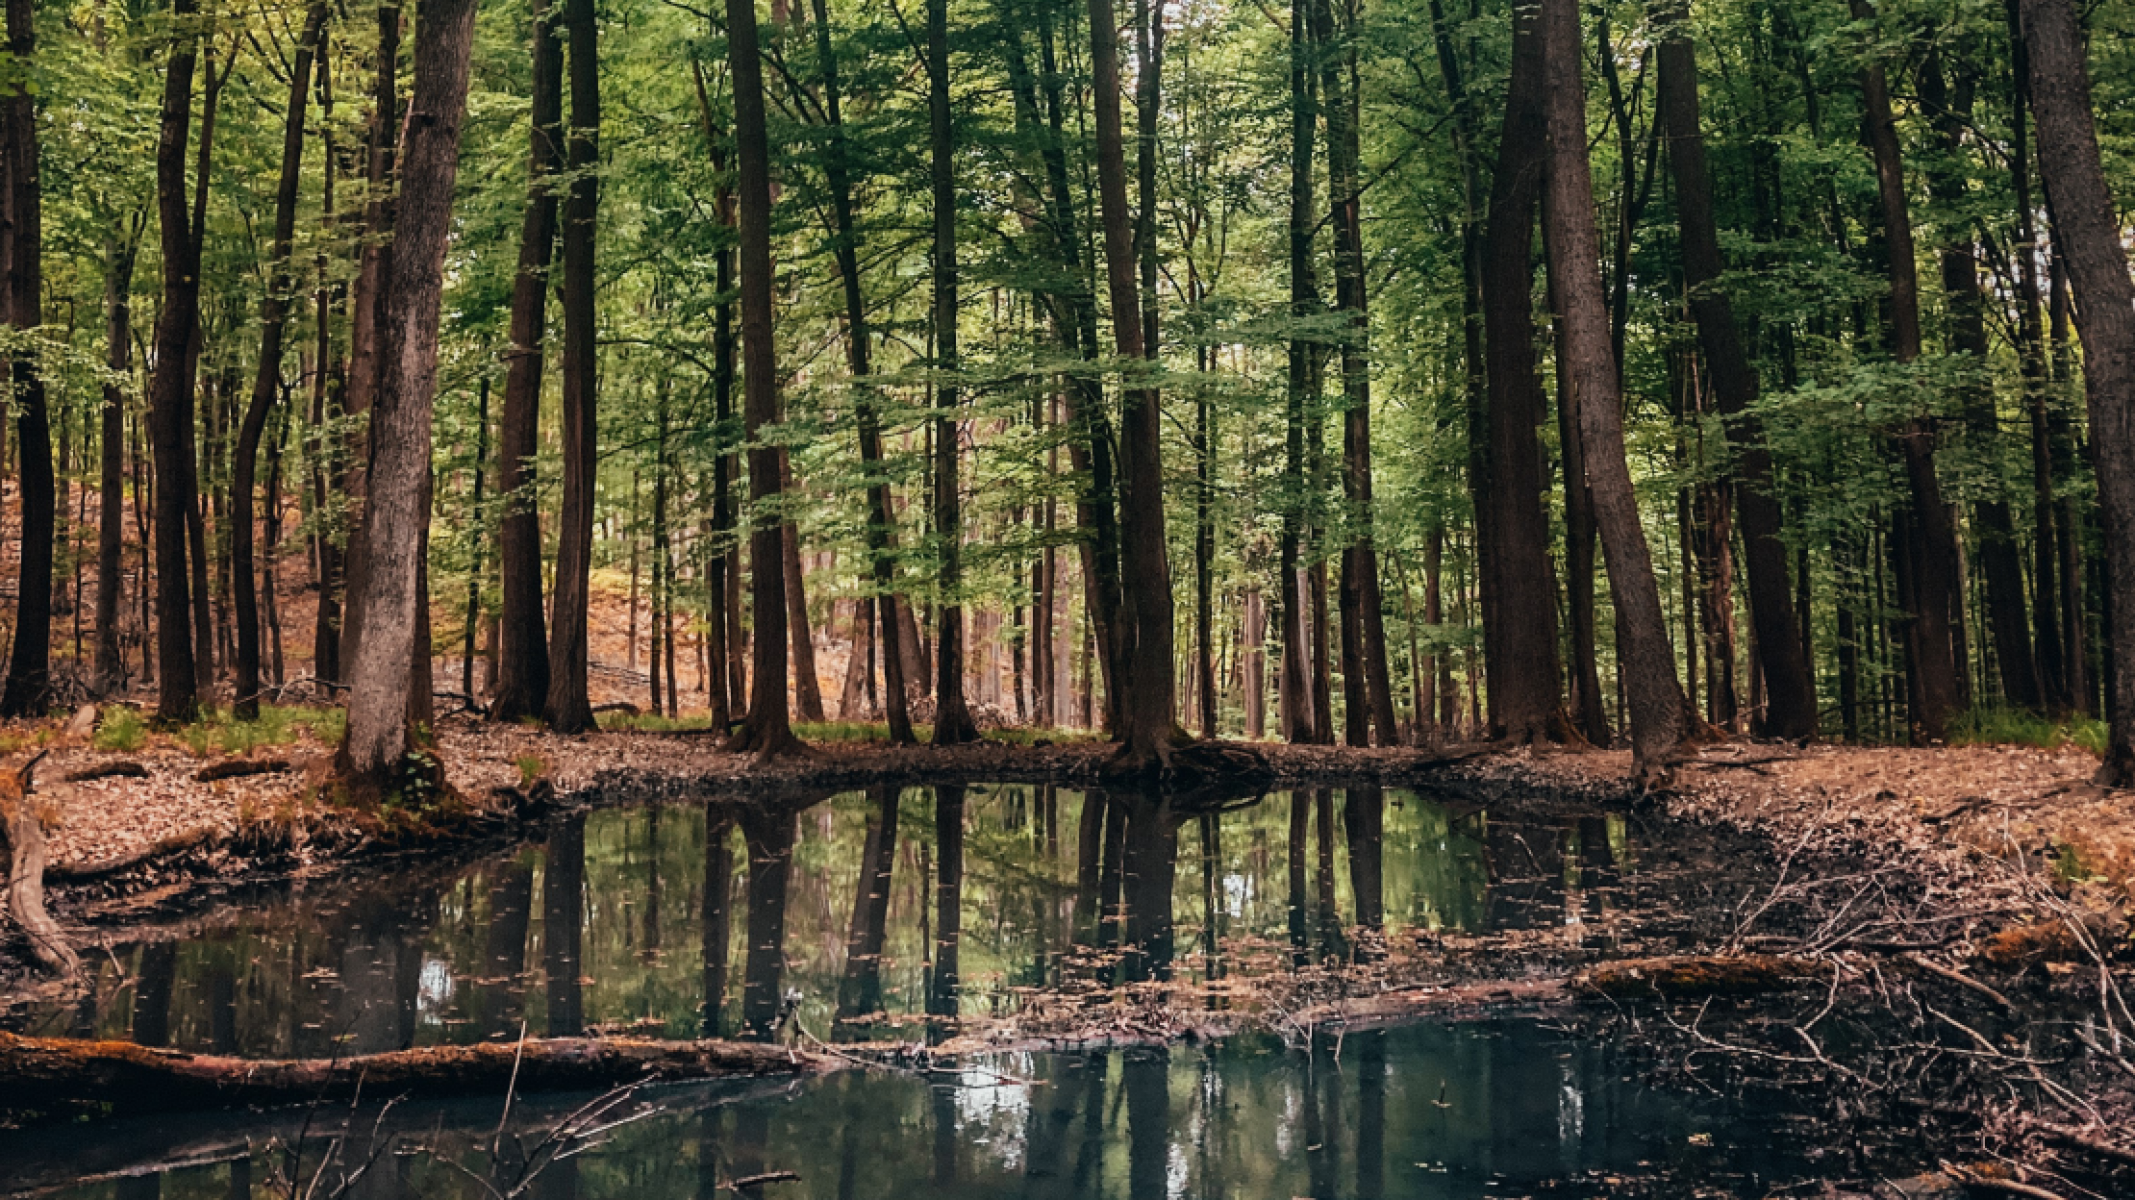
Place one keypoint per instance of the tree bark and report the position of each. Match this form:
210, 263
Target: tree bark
2087, 231
1790, 690
522, 682
396, 525
1658, 709
567, 708
807, 688
120, 253
267, 379
170, 398
1523, 678
768, 731
952, 716
1148, 690
29, 669
1299, 722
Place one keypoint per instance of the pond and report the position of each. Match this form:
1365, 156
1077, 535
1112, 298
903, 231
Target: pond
860, 914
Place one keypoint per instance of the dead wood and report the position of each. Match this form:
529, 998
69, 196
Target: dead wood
24, 834
239, 768
1694, 976
56, 1076
176, 843
124, 768
1961, 980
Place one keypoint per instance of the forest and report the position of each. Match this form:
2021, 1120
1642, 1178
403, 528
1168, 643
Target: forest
1327, 423
1667, 466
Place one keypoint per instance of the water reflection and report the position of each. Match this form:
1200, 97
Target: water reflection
1428, 1112
843, 913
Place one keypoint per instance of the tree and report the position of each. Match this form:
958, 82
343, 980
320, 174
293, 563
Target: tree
568, 709
1790, 707
380, 735
29, 667
267, 377
522, 683
952, 716
768, 730
2088, 235
1658, 710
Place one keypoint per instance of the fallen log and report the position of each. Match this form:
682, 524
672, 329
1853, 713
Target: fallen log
239, 768
1689, 977
58, 1076
124, 768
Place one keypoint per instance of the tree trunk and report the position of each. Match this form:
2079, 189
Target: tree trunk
2087, 231
1148, 690
119, 253
567, 708
522, 682
1789, 686
396, 525
1658, 709
1519, 608
29, 669
768, 730
952, 716
267, 380
1930, 634
944, 985
860, 988
1295, 708
807, 688
170, 398
881, 519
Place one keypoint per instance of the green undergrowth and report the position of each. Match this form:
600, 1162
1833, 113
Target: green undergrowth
834, 731
217, 732
2016, 727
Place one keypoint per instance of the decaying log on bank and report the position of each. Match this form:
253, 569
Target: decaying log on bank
1690, 977
55, 1075
22, 837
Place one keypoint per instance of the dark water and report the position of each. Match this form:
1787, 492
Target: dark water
687, 920
1428, 1111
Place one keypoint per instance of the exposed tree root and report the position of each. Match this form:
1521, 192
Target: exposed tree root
24, 836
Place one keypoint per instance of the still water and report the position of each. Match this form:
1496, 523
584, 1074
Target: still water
854, 912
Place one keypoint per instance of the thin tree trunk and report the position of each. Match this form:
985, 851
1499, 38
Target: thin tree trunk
1658, 709
170, 398
1789, 686
2087, 232
807, 688
1295, 708
567, 708
474, 569
267, 380
29, 669
395, 529
522, 681
952, 716
120, 252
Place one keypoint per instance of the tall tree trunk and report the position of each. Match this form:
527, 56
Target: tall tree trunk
2038, 396
170, 396
1658, 709
522, 683
881, 518
1519, 608
567, 708
1587, 713
29, 668
952, 716
1148, 689
2087, 232
1790, 690
1295, 708
807, 688
1362, 602
119, 258
396, 525
1930, 634
267, 379
768, 731
474, 570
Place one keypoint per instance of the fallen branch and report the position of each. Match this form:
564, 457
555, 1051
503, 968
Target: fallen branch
124, 768
239, 768
177, 843
1691, 976
1961, 980
55, 1075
